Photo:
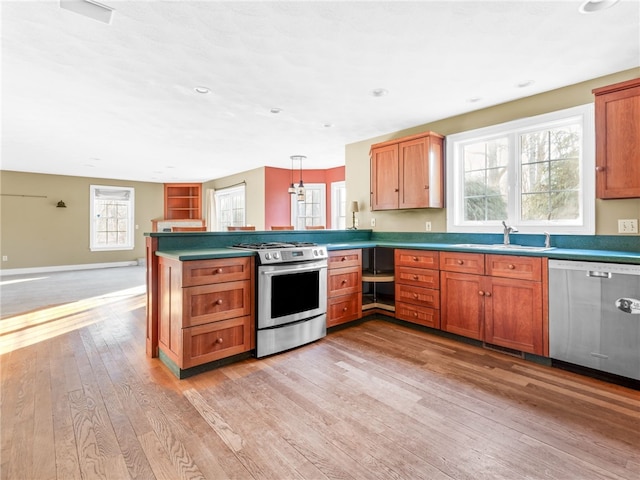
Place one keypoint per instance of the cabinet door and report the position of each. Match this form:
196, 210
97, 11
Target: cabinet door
342, 281
461, 304
384, 178
344, 309
513, 314
618, 140
420, 173
345, 258
218, 301
429, 317
213, 341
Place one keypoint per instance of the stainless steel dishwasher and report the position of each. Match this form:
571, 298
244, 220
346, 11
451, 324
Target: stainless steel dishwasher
594, 315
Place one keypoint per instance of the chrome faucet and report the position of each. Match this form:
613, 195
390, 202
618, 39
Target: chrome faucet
547, 240
507, 231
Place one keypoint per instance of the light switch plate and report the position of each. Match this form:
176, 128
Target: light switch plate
629, 225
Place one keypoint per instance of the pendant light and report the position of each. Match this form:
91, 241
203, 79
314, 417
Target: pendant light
300, 188
292, 187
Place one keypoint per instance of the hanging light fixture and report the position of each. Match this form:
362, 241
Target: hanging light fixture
300, 188
292, 187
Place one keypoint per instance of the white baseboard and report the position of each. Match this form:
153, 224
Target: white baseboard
64, 268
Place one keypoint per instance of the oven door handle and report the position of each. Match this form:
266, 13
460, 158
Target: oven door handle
286, 271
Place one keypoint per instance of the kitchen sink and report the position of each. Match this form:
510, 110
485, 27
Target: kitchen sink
501, 246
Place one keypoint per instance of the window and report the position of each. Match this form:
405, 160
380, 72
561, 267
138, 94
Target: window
112, 218
311, 211
230, 207
534, 173
338, 206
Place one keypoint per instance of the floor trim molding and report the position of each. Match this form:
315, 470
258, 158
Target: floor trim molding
64, 268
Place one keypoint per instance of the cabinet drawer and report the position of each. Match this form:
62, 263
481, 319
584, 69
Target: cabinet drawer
203, 272
213, 341
425, 297
462, 262
416, 258
343, 281
210, 303
345, 258
420, 277
429, 317
344, 309
512, 266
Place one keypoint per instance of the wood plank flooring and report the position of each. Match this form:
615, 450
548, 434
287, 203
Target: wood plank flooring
374, 401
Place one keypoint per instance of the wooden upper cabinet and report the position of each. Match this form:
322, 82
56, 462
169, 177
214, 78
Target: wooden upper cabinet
182, 201
618, 140
408, 173
384, 178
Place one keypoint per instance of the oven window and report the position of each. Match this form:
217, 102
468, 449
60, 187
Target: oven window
294, 293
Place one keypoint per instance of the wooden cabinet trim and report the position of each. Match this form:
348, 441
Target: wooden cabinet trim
213, 341
214, 302
203, 272
345, 258
462, 262
513, 266
416, 258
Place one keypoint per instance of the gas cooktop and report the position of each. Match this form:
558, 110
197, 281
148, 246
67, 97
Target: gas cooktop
274, 245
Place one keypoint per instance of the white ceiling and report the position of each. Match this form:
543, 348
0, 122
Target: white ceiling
80, 97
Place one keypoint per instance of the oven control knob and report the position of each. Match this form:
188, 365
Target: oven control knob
276, 255
267, 256
315, 253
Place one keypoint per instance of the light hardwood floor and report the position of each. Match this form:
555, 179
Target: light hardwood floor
374, 401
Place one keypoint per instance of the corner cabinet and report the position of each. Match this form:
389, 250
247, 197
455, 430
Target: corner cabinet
206, 309
618, 140
408, 173
182, 201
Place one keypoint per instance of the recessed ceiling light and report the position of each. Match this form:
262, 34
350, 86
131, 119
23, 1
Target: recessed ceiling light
202, 90
591, 6
474, 99
275, 110
525, 83
327, 125
379, 92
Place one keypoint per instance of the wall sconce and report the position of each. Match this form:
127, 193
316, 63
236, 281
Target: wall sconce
354, 209
61, 204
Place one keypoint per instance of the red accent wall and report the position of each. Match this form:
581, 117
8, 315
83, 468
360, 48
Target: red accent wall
277, 208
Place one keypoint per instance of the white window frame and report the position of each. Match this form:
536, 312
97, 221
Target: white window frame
323, 204
338, 205
129, 243
585, 225
239, 190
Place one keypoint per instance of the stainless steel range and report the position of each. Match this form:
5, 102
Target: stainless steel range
291, 295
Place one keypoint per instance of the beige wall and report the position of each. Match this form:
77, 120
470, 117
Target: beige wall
358, 167
34, 233
255, 193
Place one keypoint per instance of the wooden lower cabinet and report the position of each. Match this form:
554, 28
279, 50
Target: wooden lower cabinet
506, 308
417, 287
344, 289
206, 309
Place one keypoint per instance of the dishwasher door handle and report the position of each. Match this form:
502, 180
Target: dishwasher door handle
596, 274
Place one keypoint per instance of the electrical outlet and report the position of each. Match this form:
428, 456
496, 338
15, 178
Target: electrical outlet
356, 223
629, 225
428, 226
5, 258
373, 222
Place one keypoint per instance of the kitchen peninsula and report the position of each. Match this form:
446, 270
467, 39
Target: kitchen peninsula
526, 269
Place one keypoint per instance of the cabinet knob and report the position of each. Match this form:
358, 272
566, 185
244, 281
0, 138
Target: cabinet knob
487, 294
415, 295
344, 282
397, 190
481, 293
343, 259
460, 262
415, 314
219, 270
218, 302
219, 340
599, 169
415, 277
344, 309
415, 259
511, 266
426, 187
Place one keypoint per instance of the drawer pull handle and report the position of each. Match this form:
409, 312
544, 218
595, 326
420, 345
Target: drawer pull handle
415, 295
511, 266
488, 294
343, 259
415, 259
415, 277
415, 314
217, 270
460, 262
219, 340
344, 282
218, 302
344, 309
481, 293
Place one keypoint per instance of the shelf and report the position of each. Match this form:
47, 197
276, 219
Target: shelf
382, 302
379, 276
